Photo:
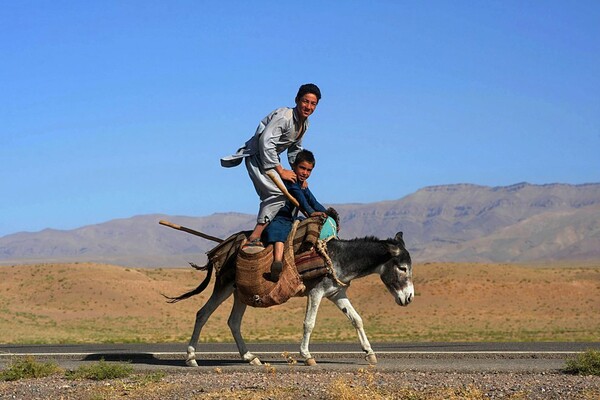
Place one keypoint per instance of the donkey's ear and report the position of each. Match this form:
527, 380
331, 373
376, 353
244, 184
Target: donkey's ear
394, 250
399, 237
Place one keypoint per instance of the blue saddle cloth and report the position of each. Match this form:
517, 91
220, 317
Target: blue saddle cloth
329, 229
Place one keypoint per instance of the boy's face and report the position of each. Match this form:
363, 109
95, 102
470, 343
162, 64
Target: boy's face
303, 170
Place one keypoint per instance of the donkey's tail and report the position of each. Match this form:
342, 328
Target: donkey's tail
208, 267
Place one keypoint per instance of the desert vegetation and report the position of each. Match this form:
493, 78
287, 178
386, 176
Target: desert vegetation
587, 363
101, 380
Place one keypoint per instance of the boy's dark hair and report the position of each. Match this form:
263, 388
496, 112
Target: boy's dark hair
309, 88
305, 155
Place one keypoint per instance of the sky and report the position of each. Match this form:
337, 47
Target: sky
111, 109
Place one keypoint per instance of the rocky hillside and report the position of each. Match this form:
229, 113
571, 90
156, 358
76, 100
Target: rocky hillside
463, 222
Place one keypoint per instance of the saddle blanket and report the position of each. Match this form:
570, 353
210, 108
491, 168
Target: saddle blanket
306, 235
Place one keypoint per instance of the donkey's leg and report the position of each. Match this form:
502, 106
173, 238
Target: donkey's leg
342, 302
312, 307
235, 323
219, 295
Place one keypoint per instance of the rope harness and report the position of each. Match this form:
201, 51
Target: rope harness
321, 248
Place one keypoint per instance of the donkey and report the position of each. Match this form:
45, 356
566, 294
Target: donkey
351, 259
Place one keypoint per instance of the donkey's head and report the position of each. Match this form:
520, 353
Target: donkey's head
396, 272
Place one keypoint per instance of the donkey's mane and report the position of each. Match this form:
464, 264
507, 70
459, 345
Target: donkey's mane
370, 239
365, 239
374, 239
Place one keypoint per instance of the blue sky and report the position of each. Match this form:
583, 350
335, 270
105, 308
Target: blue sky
111, 109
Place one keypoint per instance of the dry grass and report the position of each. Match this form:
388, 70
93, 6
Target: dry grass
77, 303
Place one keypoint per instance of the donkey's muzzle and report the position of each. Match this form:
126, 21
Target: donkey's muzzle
404, 297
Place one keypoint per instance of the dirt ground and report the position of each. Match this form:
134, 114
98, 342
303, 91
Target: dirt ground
75, 303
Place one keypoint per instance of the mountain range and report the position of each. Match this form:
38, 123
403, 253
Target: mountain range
460, 222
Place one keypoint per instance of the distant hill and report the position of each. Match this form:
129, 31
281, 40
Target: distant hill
521, 222
463, 222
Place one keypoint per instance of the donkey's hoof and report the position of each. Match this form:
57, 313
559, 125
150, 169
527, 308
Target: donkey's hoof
190, 360
310, 362
251, 358
191, 363
371, 359
255, 361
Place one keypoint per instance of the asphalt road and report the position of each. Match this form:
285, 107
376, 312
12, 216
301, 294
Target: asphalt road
459, 357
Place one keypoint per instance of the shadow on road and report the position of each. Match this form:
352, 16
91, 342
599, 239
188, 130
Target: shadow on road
151, 359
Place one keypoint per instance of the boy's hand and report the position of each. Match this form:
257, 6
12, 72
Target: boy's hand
318, 214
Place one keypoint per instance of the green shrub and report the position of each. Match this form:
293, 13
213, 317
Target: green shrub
101, 371
28, 368
587, 363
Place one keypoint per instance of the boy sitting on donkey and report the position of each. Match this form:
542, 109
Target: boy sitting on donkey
279, 228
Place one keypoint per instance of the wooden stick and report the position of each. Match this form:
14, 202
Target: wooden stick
282, 187
188, 230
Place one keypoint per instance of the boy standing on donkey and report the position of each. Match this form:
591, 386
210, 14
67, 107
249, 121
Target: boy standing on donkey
281, 130
281, 225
